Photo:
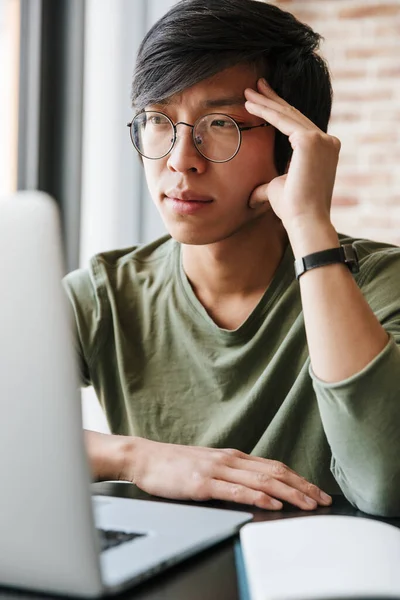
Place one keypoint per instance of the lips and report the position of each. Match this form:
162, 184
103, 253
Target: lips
187, 203
187, 196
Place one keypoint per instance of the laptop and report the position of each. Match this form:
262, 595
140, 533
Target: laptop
54, 536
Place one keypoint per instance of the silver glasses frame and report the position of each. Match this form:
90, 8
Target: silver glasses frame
174, 127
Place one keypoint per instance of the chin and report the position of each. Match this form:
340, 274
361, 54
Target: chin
198, 237
192, 238
201, 234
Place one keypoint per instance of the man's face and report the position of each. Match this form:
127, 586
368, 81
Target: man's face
222, 190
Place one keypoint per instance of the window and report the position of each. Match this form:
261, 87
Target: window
9, 61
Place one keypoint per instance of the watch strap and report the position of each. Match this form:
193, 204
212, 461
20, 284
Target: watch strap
345, 254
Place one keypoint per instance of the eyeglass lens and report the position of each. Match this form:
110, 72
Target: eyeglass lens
216, 136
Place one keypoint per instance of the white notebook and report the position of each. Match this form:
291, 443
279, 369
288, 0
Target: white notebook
321, 556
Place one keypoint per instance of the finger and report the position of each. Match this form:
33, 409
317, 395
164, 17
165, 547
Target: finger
266, 89
270, 98
281, 472
259, 196
254, 463
281, 121
279, 105
234, 492
262, 482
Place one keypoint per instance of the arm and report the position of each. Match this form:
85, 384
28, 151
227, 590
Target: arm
343, 333
355, 368
106, 454
196, 473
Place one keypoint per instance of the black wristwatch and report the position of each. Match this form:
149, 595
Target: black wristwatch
345, 254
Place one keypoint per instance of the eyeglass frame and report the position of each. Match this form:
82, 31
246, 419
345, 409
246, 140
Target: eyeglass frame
240, 128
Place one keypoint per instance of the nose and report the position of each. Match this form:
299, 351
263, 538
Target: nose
184, 156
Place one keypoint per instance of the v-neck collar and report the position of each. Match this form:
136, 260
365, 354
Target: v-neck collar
283, 276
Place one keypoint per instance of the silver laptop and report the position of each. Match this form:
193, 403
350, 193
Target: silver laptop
53, 534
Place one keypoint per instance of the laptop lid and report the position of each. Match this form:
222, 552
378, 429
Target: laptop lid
48, 540
46, 520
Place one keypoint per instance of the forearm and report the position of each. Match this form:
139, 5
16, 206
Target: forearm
107, 454
360, 418
343, 334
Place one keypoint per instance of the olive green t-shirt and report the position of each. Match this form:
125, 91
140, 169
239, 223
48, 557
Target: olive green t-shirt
163, 370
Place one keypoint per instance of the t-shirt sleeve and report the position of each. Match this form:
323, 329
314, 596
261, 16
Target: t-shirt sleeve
361, 414
87, 319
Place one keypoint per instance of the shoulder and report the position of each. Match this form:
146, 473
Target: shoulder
137, 256
366, 247
117, 274
374, 257
118, 270
379, 280
124, 272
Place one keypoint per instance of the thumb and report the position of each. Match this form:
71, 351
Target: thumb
259, 196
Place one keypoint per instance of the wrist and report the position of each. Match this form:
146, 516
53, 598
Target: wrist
308, 236
108, 455
128, 457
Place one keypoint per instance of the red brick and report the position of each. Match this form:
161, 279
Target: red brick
378, 138
374, 10
388, 29
364, 56
365, 179
349, 74
344, 201
384, 157
388, 200
379, 220
371, 52
364, 95
389, 72
345, 117
306, 16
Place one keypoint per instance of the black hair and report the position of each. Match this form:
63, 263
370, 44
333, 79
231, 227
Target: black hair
196, 39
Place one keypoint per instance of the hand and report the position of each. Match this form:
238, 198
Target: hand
196, 473
305, 191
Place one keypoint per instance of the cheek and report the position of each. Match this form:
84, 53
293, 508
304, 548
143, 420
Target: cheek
249, 172
152, 172
258, 157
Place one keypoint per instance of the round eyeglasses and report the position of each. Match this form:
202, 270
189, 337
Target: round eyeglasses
217, 137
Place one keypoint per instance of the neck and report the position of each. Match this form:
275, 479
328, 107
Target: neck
241, 265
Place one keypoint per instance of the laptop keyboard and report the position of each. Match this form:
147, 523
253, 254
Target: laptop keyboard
111, 539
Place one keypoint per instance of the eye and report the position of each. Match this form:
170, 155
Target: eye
155, 120
222, 123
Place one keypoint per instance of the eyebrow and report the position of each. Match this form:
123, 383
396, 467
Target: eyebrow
213, 102
229, 101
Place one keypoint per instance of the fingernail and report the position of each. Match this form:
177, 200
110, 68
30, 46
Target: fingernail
275, 503
310, 501
264, 81
325, 497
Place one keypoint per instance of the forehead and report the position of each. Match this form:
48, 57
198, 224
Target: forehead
225, 88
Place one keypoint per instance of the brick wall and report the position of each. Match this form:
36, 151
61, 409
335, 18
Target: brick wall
362, 46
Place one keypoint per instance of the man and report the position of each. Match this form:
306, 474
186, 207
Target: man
221, 374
